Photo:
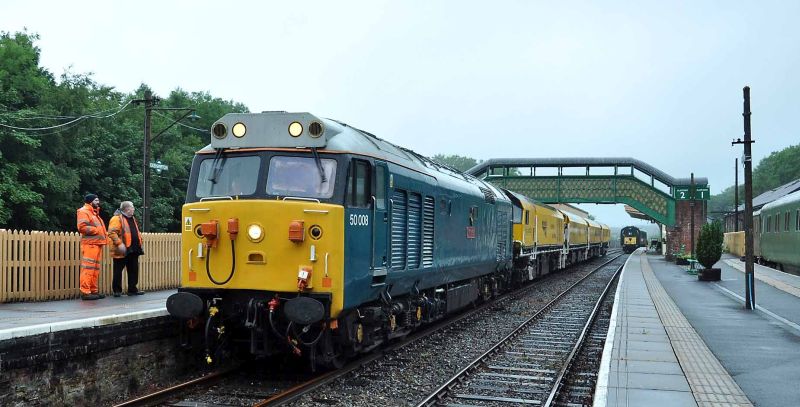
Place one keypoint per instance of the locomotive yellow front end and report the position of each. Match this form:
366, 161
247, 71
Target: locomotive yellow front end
286, 247
262, 253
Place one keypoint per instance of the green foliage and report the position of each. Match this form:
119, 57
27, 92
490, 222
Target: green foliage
709, 246
777, 169
44, 174
459, 162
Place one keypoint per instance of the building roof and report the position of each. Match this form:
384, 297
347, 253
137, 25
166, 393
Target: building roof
774, 194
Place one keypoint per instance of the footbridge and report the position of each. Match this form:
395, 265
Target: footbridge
625, 180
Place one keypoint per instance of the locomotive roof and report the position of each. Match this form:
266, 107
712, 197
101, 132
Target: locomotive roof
305, 130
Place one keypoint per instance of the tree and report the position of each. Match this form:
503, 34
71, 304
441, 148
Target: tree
709, 246
93, 143
459, 162
777, 169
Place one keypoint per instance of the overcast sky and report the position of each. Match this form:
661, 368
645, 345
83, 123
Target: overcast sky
657, 81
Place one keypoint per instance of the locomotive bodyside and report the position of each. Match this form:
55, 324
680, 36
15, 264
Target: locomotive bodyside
305, 235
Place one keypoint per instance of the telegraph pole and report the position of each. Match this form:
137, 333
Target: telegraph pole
691, 208
736, 197
150, 102
148, 115
749, 284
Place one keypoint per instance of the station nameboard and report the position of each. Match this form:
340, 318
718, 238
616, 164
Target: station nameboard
683, 193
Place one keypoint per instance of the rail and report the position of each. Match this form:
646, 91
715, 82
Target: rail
440, 393
45, 266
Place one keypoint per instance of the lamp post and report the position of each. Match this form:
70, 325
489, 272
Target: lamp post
149, 106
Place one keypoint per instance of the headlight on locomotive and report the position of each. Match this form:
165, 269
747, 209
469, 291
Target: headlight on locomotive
255, 233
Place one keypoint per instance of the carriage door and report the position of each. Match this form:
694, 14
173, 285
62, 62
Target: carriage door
380, 224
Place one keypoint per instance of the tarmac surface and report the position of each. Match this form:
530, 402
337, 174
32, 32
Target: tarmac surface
31, 318
759, 349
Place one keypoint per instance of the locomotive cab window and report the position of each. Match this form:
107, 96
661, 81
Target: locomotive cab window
516, 214
358, 194
301, 177
228, 176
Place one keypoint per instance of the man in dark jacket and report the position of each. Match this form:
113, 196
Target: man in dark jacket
124, 234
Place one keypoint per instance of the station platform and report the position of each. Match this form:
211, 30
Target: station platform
33, 318
677, 341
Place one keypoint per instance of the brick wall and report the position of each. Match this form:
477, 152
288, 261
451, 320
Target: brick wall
681, 233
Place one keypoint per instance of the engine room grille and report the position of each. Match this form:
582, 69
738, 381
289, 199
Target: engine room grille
488, 195
399, 223
414, 229
502, 235
428, 211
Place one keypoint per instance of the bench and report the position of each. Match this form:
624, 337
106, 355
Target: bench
693, 266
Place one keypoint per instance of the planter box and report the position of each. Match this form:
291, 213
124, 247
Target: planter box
709, 274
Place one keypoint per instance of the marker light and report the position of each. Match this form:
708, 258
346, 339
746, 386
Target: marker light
255, 233
315, 129
239, 129
295, 129
219, 131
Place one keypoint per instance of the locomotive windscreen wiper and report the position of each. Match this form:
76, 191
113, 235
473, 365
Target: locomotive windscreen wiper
216, 166
319, 164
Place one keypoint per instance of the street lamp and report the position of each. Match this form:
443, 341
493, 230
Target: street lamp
149, 103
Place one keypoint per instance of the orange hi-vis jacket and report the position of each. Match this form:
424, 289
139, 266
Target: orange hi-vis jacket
91, 227
119, 231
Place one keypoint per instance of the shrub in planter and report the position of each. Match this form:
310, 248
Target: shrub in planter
709, 250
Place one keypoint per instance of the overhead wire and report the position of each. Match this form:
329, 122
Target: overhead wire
181, 124
76, 120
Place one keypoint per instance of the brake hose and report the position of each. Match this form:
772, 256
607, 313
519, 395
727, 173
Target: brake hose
233, 266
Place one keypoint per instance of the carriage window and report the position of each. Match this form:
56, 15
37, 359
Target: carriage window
786, 222
527, 217
797, 220
358, 185
228, 176
300, 177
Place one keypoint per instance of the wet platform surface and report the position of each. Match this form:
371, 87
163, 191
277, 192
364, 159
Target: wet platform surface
677, 341
31, 318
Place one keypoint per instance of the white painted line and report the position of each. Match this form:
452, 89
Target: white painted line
80, 323
782, 320
601, 389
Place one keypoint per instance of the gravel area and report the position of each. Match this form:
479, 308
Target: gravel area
405, 376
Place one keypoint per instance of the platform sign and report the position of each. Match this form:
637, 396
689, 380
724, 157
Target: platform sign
683, 193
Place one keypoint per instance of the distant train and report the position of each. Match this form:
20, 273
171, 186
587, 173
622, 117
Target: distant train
632, 238
777, 233
307, 236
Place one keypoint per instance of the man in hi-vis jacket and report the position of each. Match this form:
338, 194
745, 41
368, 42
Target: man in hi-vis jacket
93, 238
127, 240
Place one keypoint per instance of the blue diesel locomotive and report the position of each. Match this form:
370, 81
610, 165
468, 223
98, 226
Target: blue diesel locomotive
346, 240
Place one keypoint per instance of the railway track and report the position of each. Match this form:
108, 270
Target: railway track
275, 391
529, 365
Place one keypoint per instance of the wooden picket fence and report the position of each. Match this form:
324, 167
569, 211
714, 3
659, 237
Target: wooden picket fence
44, 266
